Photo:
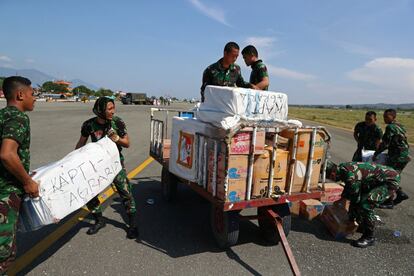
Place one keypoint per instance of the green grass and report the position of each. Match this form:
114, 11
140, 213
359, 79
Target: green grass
347, 118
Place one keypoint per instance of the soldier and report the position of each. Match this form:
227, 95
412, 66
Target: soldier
395, 140
105, 123
15, 162
259, 75
367, 134
224, 72
367, 185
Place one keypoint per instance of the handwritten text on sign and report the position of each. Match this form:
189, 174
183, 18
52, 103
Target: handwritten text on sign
70, 183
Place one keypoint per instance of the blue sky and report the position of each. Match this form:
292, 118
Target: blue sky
329, 51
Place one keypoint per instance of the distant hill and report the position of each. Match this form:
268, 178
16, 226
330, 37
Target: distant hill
38, 78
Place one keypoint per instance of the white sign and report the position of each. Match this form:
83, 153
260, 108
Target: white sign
71, 182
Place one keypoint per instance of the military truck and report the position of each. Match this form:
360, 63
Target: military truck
135, 98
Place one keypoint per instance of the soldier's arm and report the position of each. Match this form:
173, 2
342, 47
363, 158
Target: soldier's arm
123, 141
82, 141
12, 163
265, 79
120, 137
241, 83
386, 139
204, 82
378, 138
356, 133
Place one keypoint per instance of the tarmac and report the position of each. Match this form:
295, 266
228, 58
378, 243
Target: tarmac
176, 238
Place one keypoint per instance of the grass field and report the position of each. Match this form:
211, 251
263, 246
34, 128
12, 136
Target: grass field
347, 118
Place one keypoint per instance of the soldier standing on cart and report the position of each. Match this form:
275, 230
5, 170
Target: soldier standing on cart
225, 72
105, 123
367, 134
259, 75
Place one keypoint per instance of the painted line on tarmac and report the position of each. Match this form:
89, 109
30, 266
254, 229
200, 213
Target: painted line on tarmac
34, 252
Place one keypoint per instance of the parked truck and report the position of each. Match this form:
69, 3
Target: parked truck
135, 98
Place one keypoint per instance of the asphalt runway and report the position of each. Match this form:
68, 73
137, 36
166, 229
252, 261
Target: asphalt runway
176, 238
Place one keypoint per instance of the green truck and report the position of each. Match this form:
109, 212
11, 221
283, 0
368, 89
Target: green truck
135, 98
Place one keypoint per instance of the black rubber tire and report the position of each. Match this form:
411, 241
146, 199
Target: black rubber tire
225, 226
267, 227
168, 185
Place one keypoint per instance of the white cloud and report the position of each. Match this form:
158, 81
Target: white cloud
354, 48
30, 60
392, 73
216, 14
261, 41
289, 74
5, 58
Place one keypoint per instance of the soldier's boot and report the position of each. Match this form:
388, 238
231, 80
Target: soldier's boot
400, 197
388, 204
132, 232
99, 224
367, 238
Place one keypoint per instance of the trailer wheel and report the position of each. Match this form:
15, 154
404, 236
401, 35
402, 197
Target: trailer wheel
225, 226
168, 185
267, 227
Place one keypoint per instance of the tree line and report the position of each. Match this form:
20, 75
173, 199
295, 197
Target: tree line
56, 88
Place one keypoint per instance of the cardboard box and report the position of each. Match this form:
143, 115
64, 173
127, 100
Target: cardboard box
237, 171
333, 188
282, 142
310, 208
236, 190
302, 154
337, 221
332, 193
166, 148
240, 143
294, 208
261, 170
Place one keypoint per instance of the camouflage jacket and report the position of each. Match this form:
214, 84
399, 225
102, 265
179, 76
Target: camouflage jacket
97, 131
367, 135
216, 74
362, 177
395, 140
15, 125
259, 71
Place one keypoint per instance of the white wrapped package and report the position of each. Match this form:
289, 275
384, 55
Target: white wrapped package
68, 184
225, 107
368, 154
183, 145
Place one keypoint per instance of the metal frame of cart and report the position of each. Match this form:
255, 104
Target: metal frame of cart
273, 212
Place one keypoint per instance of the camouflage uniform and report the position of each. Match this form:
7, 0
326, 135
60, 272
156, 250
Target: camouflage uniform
97, 131
367, 185
259, 72
15, 125
367, 136
395, 140
216, 74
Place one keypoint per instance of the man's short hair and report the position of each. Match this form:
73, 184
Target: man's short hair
392, 111
370, 113
230, 46
250, 50
10, 85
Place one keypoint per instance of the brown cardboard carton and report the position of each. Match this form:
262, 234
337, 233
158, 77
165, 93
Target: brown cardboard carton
236, 190
333, 188
261, 169
237, 170
282, 142
166, 149
337, 221
332, 192
240, 143
310, 208
294, 208
302, 154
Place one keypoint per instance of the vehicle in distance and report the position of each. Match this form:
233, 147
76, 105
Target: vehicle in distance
135, 98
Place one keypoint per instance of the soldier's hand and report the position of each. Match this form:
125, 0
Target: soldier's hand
113, 135
32, 188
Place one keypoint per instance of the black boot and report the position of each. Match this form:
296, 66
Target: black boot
400, 197
367, 238
388, 204
132, 232
99, 224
